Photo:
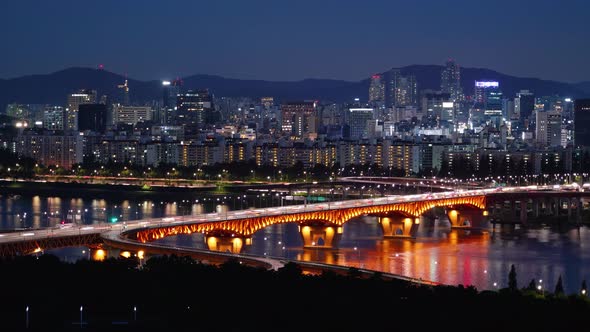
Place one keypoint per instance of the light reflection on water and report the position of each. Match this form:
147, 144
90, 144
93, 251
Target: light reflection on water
437, 253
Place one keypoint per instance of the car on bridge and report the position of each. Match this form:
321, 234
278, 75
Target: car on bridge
65, 224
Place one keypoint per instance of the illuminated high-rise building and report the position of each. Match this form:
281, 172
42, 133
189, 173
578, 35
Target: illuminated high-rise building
299, 118
437, 105
401, 90
131, 115
53, 117
450, 81
482, 89
548, 128
84, 96
358, 121
194, 107
489, 98
170, 91
377, 89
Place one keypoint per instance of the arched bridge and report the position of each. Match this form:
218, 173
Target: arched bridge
320, 224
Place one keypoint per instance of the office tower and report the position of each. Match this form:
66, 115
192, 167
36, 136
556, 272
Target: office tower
194, 107
358, 120
377, 89
434, 102
170, 91
568, 108
406, 91
548, 128
53, 117
524, 104
482, 90
92, 117
123, 93
84, 96
450, 81
391, 86
299, 118
493, 103
582, 123
401, 90
131, 115
489, 98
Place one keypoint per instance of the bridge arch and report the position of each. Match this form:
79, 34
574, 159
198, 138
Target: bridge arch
316, 222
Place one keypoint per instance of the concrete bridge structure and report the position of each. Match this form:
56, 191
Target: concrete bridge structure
320, 224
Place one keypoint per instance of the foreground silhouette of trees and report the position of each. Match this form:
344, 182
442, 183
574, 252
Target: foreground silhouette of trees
173, 293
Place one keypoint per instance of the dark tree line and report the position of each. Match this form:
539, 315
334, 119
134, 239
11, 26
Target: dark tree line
174, 293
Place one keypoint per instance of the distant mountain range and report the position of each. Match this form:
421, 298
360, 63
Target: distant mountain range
53, 88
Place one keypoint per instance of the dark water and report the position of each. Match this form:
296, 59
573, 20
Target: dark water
437, 253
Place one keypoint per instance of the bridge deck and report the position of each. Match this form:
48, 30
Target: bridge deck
53, 237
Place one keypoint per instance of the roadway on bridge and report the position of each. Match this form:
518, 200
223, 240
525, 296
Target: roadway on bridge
72, 230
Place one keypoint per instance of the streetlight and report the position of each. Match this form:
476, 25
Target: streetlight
27, 317
81, 312
134, 313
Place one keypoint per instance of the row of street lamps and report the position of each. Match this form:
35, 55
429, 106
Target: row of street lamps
27, 310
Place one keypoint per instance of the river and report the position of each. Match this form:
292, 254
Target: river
438, 253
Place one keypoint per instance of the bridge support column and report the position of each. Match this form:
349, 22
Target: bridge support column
523, 211
579, 209
320, 236
552, 207
536, 208
574, 209
467, 218
399, 226
225, 243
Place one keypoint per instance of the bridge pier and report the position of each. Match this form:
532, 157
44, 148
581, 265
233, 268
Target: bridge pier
227, 243
320, 236
574, 209
399, 226
467, 218
523, 211
536, 208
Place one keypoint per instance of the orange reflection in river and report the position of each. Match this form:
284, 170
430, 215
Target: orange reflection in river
457, 257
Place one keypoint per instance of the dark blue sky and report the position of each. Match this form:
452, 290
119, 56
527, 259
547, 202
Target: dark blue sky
291, 40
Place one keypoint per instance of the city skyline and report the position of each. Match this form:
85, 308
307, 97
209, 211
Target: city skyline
287, 42
432, 153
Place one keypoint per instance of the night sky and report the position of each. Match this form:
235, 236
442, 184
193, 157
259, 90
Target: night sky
291, 40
